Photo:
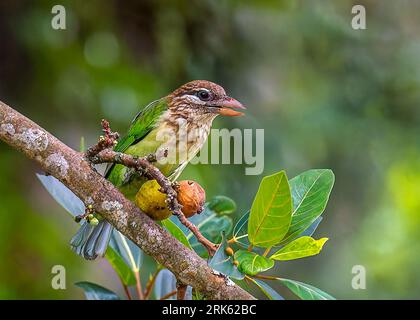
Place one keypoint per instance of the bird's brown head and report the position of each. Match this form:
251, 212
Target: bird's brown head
204, 97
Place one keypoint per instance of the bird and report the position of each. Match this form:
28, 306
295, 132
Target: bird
173, 128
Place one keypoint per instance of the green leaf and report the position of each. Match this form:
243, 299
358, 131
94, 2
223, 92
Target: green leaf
176, 232
209, 222
205, 217
198, 296
213, 228
241, 224
82, 147
121, 268
266, 289
128, 250
270, 212
223, 263
311, 230
310, 193
63, 195
305, 291
252, 263
240, 230
165, 283
222, 205
299, 248
96, 292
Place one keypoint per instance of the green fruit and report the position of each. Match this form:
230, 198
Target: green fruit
152, 201
94, 221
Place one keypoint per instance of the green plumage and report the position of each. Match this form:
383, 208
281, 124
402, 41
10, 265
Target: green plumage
142, 124
139, 141
174, 128
92, 241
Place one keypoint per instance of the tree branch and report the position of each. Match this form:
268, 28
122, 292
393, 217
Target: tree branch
102, 153
74, 171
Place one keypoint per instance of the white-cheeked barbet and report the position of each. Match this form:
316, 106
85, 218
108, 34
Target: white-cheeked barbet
174, 128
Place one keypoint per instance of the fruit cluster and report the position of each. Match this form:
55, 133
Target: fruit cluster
152, 201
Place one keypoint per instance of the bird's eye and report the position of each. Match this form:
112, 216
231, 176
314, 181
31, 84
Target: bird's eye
204, 95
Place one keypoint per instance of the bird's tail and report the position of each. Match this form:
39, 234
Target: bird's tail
92, 241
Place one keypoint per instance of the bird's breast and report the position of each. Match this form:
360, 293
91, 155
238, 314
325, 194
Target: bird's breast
180, 141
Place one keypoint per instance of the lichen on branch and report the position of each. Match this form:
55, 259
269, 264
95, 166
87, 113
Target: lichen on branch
74, 171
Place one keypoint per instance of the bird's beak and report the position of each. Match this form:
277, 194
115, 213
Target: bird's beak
227, 106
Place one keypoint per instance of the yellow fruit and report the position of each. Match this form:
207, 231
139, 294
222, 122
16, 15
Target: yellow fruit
229, 251
152, 201
191, 196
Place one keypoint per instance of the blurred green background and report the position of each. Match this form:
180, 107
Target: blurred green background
327, 96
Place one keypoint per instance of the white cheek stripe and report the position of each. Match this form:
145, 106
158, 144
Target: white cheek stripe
194, 99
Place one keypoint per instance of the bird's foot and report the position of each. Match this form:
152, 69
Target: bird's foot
107, 141
175, 186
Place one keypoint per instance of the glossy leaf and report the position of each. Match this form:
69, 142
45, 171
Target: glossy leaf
241, 225
176, 232
127, 250
222, 205
201, 219
120, 266
212, 229
223, 263
240, 230
205, 216
252, 263
210, 224
96, 292
271, 211
312, 228
63, 195
305, 291
166, 283
310, 192
299, 248
266, 289
308, 232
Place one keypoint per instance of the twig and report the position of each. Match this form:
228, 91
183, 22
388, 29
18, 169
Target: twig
181, 290
108, 140
151, 283
102, 153
211, 247
261, 276
127, 291
168, 295
138, 285
266, 252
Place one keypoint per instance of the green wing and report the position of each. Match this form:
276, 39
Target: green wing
142, 124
